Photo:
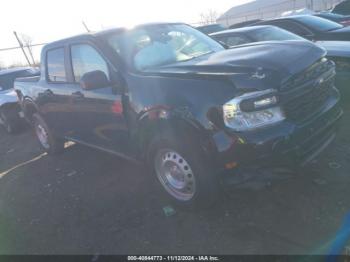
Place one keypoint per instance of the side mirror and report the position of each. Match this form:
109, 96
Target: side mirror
94, 80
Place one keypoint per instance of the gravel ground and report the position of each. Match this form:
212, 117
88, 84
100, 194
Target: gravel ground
88, 202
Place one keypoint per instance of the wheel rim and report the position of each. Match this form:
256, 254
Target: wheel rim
42, 136
175, 174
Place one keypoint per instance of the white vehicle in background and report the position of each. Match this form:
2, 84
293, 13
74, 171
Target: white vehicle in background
10, 114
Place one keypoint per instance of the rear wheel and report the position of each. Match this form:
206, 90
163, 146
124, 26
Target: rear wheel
184, 173
48, 141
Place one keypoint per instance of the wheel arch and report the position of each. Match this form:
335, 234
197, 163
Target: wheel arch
163, 122
29, 108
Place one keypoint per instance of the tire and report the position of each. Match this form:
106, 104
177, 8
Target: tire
47, 140
10, 121
184, 173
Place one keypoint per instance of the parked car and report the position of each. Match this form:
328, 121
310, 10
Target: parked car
170, 96
342, 8
253, 34
245, 23
311, 27
208, 29
10, 117
337, 51
338, 18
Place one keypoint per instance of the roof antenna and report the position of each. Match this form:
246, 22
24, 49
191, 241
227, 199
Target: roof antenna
87, 29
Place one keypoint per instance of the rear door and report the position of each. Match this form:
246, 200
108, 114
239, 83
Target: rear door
54, 92
98, 113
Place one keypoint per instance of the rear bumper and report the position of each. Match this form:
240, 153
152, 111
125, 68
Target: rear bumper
285, 144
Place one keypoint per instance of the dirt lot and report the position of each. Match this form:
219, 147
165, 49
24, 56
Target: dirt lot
88, 202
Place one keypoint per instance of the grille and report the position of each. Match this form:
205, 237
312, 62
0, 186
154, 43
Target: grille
307, 103
302, 97
309, 74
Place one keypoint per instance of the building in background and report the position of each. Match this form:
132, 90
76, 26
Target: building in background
262, 9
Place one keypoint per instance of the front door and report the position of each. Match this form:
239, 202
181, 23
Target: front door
99, 112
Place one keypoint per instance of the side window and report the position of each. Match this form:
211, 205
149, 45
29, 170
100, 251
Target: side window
236, 40
294, 28
55, 65
86, 59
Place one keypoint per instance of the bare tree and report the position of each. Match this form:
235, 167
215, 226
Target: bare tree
208, 17
27, 42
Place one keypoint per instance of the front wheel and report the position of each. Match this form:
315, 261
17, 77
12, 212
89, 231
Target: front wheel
48, 141
175, 174
184, 173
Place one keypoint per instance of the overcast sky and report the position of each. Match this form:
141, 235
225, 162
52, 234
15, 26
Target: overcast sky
47, 20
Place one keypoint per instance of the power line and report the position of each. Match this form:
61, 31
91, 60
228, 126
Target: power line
17, 47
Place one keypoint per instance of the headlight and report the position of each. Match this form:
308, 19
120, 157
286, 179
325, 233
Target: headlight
253, 110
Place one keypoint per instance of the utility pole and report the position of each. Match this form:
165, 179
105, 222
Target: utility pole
27, 40
21, 46
31, 54
87, 29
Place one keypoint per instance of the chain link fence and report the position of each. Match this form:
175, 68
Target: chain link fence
14, 57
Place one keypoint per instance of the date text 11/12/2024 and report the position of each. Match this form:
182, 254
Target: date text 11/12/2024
173, 258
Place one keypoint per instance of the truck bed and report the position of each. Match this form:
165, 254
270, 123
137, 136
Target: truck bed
28, 79
25, 85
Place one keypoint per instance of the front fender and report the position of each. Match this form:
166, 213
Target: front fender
178, 121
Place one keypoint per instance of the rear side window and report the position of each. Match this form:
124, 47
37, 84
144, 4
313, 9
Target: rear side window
55, 65
293, 27
235, 40
86, 59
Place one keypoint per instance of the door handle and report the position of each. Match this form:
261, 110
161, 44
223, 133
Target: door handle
78, 95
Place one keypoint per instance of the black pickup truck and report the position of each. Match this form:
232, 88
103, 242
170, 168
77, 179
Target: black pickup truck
170, 96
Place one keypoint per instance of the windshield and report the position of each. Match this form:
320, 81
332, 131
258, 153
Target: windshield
272, 34
158, 45
318, 23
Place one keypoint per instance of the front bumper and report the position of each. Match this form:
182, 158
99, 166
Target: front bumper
285, 144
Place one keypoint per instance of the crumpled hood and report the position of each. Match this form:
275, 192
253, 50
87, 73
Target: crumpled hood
336, 48
8, 96
264, 63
